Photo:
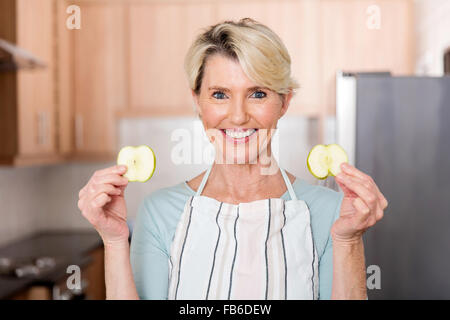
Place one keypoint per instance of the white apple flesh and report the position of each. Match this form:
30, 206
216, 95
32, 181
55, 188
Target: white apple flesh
325, 160
140, 162
338, 156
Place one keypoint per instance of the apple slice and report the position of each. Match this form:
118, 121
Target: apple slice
338, 156
325, 160
140, 162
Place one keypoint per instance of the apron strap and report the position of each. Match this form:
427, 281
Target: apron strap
205, 178
288, 184
283, 173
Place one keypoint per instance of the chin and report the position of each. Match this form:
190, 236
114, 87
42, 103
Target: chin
248, 153
232, 158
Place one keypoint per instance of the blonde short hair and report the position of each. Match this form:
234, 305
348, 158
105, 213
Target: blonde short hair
260, 52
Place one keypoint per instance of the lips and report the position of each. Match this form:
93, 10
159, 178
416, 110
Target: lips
239, 135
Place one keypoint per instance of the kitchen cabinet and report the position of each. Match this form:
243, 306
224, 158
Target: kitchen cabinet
159, 35
157, 81
92, 282
333, 35
90, 79
64, 93
99, 77
127, 61
95, 275
364, 36
28, 109
301, 42
66, 111
328, 35
66, 249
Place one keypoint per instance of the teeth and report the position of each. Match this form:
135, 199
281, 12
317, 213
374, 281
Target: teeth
239, 134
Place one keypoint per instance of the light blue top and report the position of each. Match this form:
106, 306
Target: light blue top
158, 216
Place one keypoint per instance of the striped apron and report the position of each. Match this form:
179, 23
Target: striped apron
252, 251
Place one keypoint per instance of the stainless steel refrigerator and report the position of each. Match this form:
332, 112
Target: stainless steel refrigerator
397, 129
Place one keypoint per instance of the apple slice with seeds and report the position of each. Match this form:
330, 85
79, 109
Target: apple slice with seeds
140, 162
325, 160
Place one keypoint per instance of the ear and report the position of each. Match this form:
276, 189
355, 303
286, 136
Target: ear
195, 98
286, 101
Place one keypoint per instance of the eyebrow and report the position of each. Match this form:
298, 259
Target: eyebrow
228, 90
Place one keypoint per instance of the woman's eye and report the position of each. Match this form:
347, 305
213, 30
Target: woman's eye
259, 94
219, 95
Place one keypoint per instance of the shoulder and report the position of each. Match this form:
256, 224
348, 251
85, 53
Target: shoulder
160, 210
324, 206
317, 196
165, 202
168, 196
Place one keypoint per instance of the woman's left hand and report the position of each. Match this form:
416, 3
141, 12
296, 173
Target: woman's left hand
363, 205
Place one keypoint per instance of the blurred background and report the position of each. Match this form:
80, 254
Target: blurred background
80, 79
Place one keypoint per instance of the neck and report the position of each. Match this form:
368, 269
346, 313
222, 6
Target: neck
241, 182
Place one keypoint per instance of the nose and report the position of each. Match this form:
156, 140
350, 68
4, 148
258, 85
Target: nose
238, 113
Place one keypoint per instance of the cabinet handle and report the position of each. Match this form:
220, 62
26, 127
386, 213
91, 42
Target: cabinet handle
45, 128
38, 128
42, 128
78, 131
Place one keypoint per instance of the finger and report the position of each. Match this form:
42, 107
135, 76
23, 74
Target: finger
100, 200
343, 177
367, 217
381, 199
109, 189
117, 169
361, 188
379, 214
122, 189
384, 203
347, 191
80, 204
362, 208
114, 179
82, 192
366, 181
371, 222
351, 170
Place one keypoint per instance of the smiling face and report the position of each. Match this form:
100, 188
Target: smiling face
240, 115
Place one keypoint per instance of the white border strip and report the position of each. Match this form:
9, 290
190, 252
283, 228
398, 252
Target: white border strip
346, 114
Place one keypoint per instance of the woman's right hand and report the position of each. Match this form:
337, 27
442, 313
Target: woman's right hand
102, 203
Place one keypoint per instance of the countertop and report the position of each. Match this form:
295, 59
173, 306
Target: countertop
68, 247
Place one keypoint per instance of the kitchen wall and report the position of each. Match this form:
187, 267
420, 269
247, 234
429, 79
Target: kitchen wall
39, 198
433, 35
23, 201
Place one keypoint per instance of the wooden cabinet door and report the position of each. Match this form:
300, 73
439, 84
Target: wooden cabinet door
64, 80
35, 88
161, 33
298, 30
159, 36
296, 23
364, 36
99, 78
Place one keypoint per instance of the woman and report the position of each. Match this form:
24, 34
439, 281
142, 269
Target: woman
244, 229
